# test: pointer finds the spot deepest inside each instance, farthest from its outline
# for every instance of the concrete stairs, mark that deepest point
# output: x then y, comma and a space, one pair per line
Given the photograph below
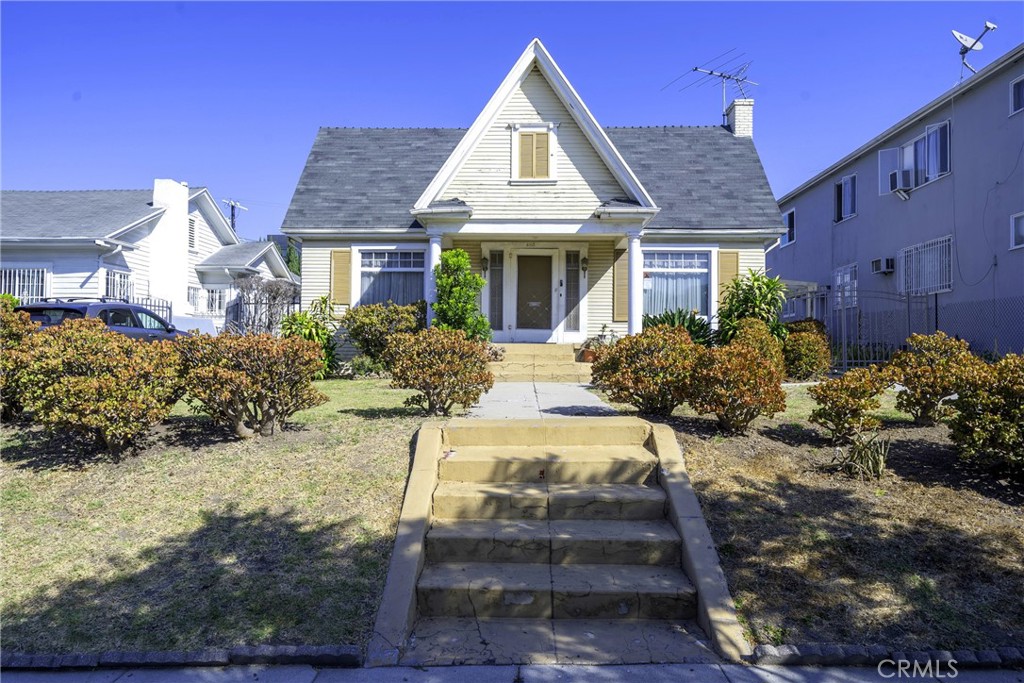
535, 547
540, 363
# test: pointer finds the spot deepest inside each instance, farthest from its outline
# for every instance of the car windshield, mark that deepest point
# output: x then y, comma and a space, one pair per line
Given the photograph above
53, 316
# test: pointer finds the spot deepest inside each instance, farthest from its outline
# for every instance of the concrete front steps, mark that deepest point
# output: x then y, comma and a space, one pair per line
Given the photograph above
552, 545
540, 363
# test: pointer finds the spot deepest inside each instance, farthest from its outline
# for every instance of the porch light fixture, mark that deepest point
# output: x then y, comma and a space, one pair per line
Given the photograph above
584, 264
484, 264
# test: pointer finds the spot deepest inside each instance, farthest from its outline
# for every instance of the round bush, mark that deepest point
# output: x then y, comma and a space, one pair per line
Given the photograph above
930, 371
989, 417
807, 355
844, 402
650, 370
755, 334
369, 326
735, 384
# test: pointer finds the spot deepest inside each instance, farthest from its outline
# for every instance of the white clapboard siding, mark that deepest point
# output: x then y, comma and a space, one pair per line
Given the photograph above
207, 244
599, 292
316, 269
137, 260
583, 180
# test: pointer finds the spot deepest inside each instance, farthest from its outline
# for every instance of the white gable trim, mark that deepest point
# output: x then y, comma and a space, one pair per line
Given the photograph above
214, 218
536, 54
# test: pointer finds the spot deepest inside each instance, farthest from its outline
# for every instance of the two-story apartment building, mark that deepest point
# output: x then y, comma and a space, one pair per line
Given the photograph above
170, 247
922, 227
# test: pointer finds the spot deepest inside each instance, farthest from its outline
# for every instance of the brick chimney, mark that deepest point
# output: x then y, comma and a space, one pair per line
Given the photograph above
740, 118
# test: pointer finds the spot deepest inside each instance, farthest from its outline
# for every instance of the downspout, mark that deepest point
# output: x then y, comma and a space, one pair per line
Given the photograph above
99, 259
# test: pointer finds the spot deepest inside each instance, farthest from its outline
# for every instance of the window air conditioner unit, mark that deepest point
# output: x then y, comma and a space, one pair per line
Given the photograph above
883, 266
899, 181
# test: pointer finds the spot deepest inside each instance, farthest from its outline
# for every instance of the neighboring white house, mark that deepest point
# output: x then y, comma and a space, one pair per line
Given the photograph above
575, 227
169, 247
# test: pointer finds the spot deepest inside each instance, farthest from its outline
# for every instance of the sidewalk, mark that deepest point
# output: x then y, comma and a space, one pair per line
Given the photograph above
531, 400
649, 673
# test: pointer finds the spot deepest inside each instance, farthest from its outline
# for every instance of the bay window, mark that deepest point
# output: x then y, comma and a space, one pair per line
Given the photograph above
675, 280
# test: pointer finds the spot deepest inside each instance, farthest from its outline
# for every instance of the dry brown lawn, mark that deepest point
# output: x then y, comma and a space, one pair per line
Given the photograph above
204, 540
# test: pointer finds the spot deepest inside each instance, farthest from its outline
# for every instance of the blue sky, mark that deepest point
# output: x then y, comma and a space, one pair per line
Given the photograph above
230, 95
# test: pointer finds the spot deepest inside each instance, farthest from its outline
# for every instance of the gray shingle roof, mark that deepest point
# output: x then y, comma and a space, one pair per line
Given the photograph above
236, 255
90, 214
700, 177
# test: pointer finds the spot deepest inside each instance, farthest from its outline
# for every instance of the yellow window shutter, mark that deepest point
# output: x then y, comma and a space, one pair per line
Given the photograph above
728, 270
620, 287
540, 155
341, 276
526, 168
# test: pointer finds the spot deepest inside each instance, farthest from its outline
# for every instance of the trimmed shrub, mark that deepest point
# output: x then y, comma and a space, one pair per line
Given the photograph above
735, 384
754, 296
15, 326
807, 325
930, 373
989, 417
316, 325
755, 334
82, 378
250, 383
650, 370
458, 289
807, 355
369, 326
844, 402
445, 366
9, 300
696, 325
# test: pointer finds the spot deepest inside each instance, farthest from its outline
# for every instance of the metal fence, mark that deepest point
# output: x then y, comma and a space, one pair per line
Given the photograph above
162, 307
869, 327
241, 317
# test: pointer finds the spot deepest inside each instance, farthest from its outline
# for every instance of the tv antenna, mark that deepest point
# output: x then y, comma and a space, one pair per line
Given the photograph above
737, 75
968, 45
234, 205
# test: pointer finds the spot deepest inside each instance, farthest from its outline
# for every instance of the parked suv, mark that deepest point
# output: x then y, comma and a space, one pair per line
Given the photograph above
128, 319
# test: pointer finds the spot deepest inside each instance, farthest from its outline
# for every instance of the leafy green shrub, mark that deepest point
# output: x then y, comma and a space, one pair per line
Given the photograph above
84, 379
9, 300
696, 325
844, 402
458, 289
250, 383
755, 334
989, 417
364, 366
369, 326
650, 370
807, 355
735, 384
15, 326
316, 325
807, 325
446, 367
754, 296
929, 372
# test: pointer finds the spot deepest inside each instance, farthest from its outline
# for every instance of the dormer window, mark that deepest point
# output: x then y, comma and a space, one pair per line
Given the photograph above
533, 153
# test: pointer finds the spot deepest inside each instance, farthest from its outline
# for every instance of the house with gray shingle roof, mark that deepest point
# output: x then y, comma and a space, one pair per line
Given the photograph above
575, 227
167, 246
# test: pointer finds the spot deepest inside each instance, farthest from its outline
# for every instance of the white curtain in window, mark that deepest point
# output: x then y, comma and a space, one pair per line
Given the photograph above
398, 287
674, 291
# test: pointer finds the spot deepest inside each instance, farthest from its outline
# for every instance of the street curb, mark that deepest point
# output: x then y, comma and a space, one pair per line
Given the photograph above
348, 656
830, 654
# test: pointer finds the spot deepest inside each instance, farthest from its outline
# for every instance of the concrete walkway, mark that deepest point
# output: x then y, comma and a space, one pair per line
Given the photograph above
650, 673
531, 400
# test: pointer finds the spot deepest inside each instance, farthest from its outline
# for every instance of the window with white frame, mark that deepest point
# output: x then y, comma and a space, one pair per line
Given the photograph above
789, 220
1017, 230
393, 275
845, 198
1017, 96
925, 268
916, 162
28, 284
844, 286
193, 297
216, 301
675, 280
119, 284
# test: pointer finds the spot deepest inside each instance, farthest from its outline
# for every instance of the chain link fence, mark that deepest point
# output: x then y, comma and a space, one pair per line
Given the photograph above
868, 327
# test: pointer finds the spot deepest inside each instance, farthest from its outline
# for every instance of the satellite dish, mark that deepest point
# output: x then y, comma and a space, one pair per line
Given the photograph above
968, 42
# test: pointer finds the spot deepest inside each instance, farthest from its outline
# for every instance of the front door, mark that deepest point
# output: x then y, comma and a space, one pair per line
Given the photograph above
535, 320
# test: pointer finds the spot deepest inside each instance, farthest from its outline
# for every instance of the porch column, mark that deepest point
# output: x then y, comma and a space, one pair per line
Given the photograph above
429, 286
636, 285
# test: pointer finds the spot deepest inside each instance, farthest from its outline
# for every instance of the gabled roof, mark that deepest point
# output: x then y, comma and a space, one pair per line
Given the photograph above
700, 177
72, 214
246, 255
536, 55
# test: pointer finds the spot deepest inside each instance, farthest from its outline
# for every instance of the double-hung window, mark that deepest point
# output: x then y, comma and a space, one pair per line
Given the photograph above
216, 301
27, 284
789, 220
845, 198
393, 275
916, 162
675, 280
844, 286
